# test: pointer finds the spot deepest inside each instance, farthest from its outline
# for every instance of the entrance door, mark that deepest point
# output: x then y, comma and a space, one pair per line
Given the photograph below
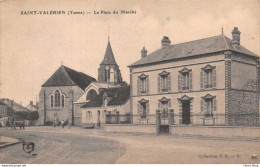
186, 112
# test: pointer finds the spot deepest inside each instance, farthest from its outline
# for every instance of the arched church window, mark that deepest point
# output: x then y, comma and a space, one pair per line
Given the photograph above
51, 101
112, 75
57, 98
62, 100
91, 94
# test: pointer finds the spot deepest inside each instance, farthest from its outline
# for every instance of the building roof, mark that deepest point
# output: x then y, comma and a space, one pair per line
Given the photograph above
109, 58
119, 97
13, 105
66, 76
192, 48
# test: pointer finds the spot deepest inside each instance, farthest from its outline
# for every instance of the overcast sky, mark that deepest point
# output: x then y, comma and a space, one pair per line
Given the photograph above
32, 47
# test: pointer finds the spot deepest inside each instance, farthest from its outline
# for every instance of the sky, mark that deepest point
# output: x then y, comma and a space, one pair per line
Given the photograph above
33, 47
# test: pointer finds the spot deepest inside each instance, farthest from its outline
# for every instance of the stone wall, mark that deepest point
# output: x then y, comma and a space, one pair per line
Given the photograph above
243, 108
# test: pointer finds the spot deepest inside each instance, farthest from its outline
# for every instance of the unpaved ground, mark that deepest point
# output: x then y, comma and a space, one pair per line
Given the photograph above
94, 146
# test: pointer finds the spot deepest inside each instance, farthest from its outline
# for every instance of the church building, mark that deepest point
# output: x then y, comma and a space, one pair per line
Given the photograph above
209, 81
58, 94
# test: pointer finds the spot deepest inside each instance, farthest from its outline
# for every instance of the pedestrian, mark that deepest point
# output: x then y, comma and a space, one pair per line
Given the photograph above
62, 123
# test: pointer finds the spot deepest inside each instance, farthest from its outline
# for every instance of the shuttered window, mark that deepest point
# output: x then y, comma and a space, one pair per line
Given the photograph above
143, 85
208, 77
185, 80
164, 83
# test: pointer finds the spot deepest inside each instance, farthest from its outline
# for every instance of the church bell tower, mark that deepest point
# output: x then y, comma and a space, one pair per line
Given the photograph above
108, 71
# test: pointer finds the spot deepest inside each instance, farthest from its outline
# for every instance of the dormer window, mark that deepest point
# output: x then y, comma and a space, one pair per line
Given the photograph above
143, 84
208, 77
185, 79
105, 102
164, 82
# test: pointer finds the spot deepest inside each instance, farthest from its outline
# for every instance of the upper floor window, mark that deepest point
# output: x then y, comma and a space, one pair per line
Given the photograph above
143, 108
57, 99
164, 82
51, 100
143, 84
185, 79
208, 105
208, 77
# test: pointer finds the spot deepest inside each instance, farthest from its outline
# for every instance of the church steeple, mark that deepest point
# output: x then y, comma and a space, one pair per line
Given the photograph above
108, 71
109, 58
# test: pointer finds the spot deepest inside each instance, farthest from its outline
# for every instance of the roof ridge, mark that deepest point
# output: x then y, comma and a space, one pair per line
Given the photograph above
196, 40
68, 74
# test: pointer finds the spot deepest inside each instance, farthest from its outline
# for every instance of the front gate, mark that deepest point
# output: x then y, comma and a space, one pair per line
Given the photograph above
164, 121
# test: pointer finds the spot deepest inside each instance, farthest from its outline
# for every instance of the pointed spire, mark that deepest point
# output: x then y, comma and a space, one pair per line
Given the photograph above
109, 58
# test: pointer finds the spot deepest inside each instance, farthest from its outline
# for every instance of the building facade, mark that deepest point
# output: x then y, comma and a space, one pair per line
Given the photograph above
58, 94
211, 81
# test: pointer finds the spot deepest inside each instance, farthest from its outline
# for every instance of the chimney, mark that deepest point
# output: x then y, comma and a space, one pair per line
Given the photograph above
166, 42
144, 52
31, 102
236, 37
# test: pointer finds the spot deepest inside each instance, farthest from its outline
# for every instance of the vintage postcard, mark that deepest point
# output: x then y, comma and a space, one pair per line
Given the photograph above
129, 82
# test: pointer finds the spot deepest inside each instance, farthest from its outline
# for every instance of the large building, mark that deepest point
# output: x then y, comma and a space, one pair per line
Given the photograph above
107, 97
58, 94
211, 81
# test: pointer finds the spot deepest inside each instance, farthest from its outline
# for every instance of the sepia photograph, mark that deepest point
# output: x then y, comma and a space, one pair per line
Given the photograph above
129, 82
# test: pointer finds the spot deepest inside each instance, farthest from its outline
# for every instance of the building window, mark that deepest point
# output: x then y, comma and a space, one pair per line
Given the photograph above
185, 79
57, 98
62, 100
163, 105
208, 77
164, 82
143, 84
51, 101
143, 108
107, 74
208, 105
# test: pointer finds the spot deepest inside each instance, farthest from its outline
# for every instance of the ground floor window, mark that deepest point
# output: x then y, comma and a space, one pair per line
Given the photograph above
143, 108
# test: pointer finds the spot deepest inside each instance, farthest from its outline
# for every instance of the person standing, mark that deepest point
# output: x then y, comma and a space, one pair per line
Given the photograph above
62, 123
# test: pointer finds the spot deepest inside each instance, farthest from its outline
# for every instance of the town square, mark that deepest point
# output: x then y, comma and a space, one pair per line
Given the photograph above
169, 82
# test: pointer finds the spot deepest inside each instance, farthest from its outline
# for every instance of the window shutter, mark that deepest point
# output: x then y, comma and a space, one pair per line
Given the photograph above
147, 107
159, 84
147, 85
215, 104
204, 78
214, 78
138, 106
201, 105
179, 82
138, 86
169, 82
190, 75
169, 104
201, 79
182, 82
